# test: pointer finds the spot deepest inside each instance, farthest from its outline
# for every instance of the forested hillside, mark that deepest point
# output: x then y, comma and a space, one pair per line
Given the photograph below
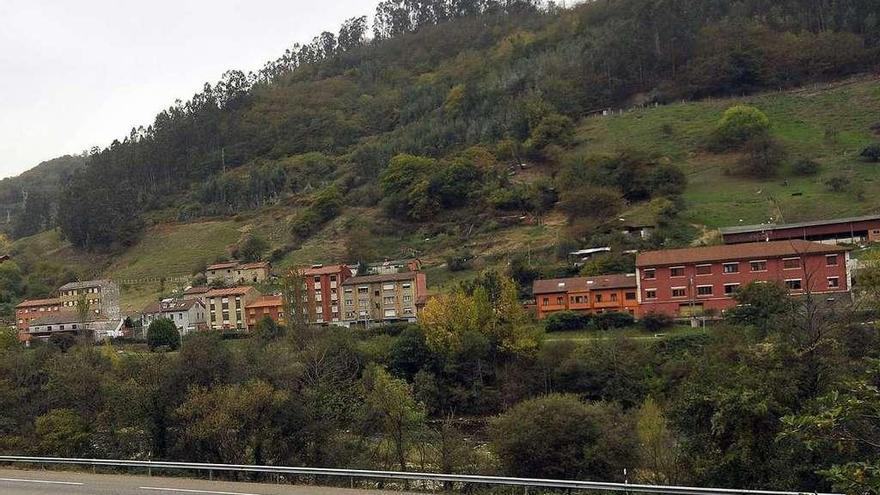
425, 115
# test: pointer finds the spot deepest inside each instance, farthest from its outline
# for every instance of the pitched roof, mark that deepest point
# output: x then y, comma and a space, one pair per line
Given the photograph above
266, 301
220, 266
171, 306
39, 302
323, 270
229, 291
751, 250
253, 266
744, 229
56, 318
387, 277
584, 283
197, 290
85, 284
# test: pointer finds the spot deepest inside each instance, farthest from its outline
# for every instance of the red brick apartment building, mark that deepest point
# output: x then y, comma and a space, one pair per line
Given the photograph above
27, 311
323, 286
605, 293
682, 282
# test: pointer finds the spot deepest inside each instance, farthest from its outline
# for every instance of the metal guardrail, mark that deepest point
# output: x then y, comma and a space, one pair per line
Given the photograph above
402, 475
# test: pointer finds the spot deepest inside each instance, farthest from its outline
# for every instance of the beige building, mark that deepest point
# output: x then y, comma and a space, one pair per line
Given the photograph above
383, 298
233, 273
226, 307
102, 296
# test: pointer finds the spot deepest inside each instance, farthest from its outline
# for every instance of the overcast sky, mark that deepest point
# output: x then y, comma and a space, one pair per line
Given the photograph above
77, 74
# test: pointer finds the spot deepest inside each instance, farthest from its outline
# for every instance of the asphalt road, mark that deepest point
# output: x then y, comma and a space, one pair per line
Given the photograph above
17, 482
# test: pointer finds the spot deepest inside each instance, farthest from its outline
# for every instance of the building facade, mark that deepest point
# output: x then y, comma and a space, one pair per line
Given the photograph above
385, 298
700, 280
271, 306
853, 230
102, 296
234, 273
69, 322
26, 311
188, 315
226, 307
322, 298
594, 295
388, 267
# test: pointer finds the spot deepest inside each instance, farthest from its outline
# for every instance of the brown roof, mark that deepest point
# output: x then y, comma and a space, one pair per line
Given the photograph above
323, 270
583, 283
230, 291
59, 317
751, 250
219, 266
39, 302
266, 301
255, 265
388, 277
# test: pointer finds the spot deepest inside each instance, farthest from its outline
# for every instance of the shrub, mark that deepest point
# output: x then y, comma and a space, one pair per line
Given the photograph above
589, 201
838, 183
763, 158
805, 167
459, 261
163, 332
558, 436
566, 321
251, 248
654, 322
608, 321
63, 341
738, 125
871, 153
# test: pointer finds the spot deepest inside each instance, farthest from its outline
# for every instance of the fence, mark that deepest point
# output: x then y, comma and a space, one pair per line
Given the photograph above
465, 479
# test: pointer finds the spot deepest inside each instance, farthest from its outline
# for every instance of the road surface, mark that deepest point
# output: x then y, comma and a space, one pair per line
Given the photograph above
19, 482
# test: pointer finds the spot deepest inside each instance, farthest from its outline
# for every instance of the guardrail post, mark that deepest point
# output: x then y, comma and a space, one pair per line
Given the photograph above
210, 475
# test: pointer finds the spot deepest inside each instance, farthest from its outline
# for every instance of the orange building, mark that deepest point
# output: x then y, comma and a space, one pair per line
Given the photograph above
271, 306
33, 309
602, 294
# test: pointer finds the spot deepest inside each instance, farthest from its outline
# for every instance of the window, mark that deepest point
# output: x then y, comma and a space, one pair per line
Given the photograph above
704, 290
598, 298
730, 289
833, 282
676, 271
650, 273
613, 297
731, 267
704, 269
679, 292
791, 263
630, 296
758, 266
793, 284
830, 260
546, 301
560, 300
333, 278
650, 293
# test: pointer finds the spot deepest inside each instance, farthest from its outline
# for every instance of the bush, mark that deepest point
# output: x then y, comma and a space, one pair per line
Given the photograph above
63, 341
608, 321
805, 167
654, 322
739, 125
871, 153
163, 332
250, 249
591, 202
459, 261
558, 436
763, 158
838, 183
566, 321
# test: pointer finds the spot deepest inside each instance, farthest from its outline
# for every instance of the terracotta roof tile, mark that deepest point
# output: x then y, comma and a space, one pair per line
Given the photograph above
724, 252
39, 302
323, 270
229, 291
266, 301
550, 286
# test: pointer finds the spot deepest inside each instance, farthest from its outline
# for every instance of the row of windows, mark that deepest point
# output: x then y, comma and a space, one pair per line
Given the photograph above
794, 284
831, 260
585, 299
